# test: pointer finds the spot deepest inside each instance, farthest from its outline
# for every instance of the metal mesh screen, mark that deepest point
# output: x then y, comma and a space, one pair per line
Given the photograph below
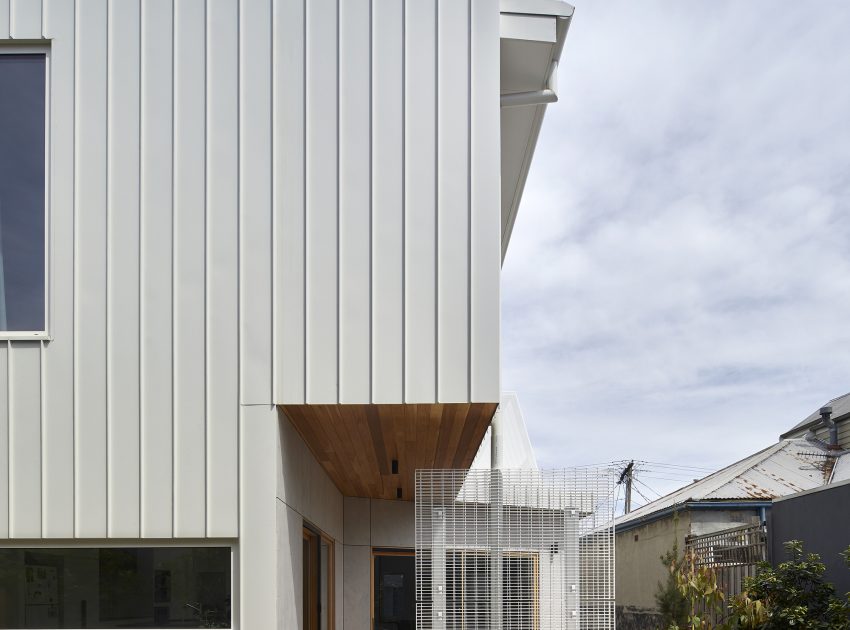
515, 549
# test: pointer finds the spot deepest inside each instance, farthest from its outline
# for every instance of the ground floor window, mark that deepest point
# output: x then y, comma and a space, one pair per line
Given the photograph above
318, 580
394, 590
115, 587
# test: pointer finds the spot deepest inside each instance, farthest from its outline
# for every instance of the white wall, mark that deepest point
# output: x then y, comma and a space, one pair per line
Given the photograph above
231, 225
394, 128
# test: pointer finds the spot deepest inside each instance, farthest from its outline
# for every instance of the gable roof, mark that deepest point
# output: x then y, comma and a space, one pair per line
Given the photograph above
784, 468
840, 410
518, 452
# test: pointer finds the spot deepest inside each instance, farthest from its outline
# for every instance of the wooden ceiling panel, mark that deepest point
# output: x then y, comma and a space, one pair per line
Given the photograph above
356, 444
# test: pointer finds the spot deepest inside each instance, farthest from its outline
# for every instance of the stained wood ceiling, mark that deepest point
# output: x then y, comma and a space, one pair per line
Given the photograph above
356, 444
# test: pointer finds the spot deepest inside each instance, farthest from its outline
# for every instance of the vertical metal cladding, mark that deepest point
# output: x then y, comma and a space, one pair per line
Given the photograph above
255, 202
110, 427
395, 124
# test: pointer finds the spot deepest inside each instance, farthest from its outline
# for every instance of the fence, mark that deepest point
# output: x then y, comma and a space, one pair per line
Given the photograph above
733, 554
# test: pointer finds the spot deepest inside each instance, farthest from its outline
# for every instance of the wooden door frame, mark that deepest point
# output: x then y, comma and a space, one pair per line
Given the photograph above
310, 532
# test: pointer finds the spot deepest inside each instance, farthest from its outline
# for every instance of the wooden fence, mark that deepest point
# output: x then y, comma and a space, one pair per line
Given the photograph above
733, 554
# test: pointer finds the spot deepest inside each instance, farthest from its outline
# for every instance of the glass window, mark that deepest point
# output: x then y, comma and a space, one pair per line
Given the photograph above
141, 587
22, 192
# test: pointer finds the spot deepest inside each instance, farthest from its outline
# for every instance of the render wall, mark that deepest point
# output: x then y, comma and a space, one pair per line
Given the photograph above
639, 567
250, 202
639, 551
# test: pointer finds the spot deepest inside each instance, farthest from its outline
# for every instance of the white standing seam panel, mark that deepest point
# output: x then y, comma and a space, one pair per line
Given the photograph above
25, 19
322, 201
156, 269
58, 355
453, 201
420, 201
222, 268
485, 232
189, 269
289, 186
25, 440
387, 201
354, 202
277, 211
4, 18
4, 439
123, 270
255, 187
90, 439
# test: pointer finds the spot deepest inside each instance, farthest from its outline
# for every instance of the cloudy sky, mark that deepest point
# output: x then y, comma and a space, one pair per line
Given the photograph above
677, 288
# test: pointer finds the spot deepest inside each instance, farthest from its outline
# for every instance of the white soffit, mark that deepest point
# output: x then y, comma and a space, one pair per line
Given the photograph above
532, 37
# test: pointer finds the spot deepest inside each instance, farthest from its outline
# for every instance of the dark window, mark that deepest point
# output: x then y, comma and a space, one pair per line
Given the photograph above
22, 192
143, 587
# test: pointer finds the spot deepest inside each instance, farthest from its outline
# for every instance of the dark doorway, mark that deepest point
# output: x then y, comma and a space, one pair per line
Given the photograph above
394, 590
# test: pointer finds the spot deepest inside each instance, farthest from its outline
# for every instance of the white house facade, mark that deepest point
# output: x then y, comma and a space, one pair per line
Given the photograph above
250, 256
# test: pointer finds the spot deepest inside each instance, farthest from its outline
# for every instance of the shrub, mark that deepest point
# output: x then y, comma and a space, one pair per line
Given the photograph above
794, 595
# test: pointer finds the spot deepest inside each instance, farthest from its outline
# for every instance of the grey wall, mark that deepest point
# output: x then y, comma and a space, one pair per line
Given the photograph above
369, 524
305, 495
255, 202
821, 519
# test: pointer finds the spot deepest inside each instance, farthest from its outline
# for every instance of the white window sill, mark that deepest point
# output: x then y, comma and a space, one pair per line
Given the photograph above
16, 335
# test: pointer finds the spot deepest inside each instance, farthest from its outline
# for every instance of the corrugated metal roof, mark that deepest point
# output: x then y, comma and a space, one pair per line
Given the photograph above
784, 468
841, 472
840, 407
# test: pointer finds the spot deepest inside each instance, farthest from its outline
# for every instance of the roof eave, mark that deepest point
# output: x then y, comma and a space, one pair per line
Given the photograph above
563, 13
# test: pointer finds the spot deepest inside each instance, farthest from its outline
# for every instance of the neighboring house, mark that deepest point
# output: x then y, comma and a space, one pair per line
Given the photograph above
250, 254
737, 495
834, 417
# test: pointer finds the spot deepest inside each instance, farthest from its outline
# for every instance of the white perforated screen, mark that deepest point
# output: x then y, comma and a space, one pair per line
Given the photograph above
515, 549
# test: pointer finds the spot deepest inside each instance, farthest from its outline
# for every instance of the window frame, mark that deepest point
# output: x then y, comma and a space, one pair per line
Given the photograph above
144, 543
17, 335
309, 530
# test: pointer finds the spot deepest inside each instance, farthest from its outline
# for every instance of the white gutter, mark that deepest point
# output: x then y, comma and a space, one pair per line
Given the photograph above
536, 97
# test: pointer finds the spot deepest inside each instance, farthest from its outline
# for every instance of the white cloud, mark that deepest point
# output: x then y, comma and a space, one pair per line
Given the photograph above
677, 287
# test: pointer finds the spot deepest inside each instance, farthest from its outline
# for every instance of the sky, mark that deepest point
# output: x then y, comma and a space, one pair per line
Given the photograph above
677, 286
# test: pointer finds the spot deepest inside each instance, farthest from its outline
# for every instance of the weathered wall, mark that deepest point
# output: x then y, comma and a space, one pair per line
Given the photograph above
250, 202
639, 568
821, 519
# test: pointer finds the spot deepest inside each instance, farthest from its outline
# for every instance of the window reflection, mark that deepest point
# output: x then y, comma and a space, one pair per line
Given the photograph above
146, 587
22, 192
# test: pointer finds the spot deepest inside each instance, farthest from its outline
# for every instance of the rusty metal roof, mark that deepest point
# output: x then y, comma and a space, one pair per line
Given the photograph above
784, 468
841, 472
